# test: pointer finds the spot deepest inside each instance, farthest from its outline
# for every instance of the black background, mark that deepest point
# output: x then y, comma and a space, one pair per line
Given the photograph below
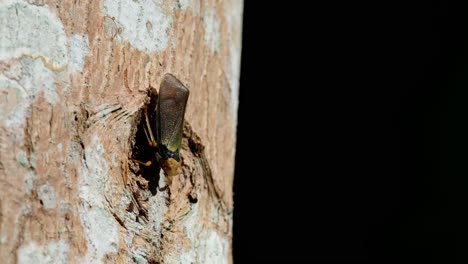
352, 143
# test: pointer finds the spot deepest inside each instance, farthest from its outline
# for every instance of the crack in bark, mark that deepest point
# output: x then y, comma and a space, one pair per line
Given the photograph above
117, 218
28, 143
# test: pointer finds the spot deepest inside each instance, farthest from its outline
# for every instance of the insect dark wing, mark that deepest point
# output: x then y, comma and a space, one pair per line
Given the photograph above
173, 96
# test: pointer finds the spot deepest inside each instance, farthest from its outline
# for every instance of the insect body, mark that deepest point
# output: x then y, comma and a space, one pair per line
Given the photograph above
170, 111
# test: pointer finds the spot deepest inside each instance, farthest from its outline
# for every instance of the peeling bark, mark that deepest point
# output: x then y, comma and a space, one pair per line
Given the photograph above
74, 77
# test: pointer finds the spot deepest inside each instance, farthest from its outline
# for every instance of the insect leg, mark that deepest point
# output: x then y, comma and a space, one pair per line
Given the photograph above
150, 143
149, 133
146, 164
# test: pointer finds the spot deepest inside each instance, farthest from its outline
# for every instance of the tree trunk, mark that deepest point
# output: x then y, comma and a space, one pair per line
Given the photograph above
74, 78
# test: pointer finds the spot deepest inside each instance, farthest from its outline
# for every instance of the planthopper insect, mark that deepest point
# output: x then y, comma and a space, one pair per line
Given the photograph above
170, 111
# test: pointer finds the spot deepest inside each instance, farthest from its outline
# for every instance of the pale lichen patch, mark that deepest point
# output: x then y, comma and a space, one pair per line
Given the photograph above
47, 196
13, 102
37, 79
29, 179
212, 35
181, 4
99, 225
233, 76
33, 31
54, 252
100, 232
3, 239
22, 159
191, 227
215, 247
79, 46
36, 2
134, 18
157, 207
65, 208
205, 245
233, 12
209, 248
13, 70
185, 5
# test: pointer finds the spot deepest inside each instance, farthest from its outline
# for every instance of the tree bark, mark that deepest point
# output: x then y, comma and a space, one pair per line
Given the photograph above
74, 78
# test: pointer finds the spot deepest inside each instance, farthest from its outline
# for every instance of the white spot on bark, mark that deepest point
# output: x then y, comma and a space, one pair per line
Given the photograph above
191, 227
35, 78
46, 194
187, 257
73, 152
215, 248
212, 35
33, 31
65, 208
210, 248
233, 11
78, 49
14, 70
99, 225
233, 75
134, 16
36, 2
58, 250
206, 245
100, 233
32, 160
54, 252
38, 79
29, 181
22, 159
158, 207
13, 102
185, 4
26, 210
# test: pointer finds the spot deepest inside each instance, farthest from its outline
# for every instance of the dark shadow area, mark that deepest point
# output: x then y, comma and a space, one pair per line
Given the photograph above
142, 151
351, 133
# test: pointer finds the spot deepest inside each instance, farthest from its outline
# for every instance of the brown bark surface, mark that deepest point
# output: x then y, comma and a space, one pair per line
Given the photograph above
74, 77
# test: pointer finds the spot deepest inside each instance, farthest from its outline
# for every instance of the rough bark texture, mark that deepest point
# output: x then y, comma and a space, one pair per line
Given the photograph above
74, 76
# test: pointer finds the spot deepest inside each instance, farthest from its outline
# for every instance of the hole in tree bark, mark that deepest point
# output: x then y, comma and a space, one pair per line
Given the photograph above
142, 151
